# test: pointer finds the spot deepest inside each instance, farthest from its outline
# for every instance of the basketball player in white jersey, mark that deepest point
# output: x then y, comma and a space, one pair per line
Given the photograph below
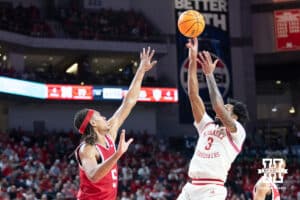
265, 188
220, 140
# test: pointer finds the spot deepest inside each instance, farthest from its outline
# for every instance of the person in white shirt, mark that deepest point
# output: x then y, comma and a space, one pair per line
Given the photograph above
220, 140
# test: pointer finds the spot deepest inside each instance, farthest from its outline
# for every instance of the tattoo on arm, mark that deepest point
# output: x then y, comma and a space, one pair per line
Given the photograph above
218, 103
214, 93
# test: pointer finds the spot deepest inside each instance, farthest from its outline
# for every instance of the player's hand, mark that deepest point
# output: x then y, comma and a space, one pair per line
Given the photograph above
146, 57
192, 45
123, 145
208, 67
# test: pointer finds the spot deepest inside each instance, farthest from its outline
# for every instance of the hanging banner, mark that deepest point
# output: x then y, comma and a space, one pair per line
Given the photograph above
214, 39
287, 29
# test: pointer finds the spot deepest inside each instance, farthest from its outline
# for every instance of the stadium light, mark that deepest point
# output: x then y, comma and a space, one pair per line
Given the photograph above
73, 69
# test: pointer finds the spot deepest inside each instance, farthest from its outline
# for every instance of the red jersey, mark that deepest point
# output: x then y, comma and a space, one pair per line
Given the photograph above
107, 187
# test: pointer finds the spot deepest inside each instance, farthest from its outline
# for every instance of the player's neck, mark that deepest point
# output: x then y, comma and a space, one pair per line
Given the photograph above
101, 140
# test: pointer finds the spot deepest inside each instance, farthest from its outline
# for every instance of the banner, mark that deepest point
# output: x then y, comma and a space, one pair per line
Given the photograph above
287, 29
214, 39
147, 94
69, 92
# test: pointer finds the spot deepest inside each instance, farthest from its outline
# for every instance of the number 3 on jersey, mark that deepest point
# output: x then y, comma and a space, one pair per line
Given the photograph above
210, 140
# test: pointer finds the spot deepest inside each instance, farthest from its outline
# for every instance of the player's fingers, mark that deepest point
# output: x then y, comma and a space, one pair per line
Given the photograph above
152, 54
148, 51
195, 41
153, 63
129, 141
144, 51
208, 57
216, 61
202, 57
122, 136
141, 55
188, 45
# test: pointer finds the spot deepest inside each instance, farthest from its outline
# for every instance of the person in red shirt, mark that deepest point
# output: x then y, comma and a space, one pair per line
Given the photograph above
96, 155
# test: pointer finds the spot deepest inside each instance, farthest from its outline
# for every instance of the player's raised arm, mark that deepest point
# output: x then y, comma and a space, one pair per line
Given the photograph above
131, 98
197, 104
216, 98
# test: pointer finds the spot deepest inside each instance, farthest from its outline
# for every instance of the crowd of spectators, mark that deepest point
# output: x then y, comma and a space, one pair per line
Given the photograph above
41, 166
50, 75
105, 24
78, 23
23, 20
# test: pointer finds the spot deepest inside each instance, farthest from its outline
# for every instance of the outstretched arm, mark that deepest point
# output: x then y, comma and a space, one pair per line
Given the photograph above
197, 104
214, 93
133, 93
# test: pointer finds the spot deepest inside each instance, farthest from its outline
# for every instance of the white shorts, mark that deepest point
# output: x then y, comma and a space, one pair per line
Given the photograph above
205, 192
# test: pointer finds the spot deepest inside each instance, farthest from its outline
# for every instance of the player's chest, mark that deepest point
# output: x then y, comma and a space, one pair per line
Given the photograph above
216, 133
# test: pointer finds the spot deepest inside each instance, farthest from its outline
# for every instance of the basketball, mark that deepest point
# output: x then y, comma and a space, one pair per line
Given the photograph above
191, 23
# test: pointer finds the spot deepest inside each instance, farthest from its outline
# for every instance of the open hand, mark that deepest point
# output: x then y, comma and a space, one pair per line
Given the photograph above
146, 57
123, 145
208, 67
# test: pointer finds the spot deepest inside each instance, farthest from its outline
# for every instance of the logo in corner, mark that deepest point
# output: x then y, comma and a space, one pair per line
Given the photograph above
273, 169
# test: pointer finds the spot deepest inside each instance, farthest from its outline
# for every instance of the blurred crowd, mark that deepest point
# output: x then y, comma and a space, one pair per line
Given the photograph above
77, 23
50, 75
42, 166
23, 20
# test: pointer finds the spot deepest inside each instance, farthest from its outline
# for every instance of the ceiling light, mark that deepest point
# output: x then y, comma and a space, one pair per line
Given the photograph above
72, 69
95, 60
50, 58
274, 109
4, 58
25, 57
135, 64
292, 110
120, 69
278, 82
82, 83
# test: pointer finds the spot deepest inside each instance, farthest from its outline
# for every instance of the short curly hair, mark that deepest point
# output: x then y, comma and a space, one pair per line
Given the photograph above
240, 110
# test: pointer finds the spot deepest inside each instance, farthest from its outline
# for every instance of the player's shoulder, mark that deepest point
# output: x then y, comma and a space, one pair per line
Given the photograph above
87, 150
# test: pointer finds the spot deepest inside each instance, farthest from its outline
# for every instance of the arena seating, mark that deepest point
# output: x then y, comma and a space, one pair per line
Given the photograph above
41, 165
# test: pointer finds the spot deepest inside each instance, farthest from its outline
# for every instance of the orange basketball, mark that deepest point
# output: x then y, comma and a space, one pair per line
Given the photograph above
191, 23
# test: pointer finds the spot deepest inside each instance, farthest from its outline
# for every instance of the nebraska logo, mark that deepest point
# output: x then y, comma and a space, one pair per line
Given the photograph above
273, 170
221, 74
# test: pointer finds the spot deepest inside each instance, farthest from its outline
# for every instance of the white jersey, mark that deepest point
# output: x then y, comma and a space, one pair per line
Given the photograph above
216, 149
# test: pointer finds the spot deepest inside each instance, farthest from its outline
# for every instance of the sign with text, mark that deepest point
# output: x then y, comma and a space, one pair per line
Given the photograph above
149, 94
214, 39
69, 92
287, 29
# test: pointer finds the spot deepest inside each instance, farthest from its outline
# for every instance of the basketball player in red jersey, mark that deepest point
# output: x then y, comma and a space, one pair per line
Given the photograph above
220, 140
265, 188
96, 155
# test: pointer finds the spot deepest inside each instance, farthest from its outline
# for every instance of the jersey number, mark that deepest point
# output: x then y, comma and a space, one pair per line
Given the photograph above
210, 140
114, 174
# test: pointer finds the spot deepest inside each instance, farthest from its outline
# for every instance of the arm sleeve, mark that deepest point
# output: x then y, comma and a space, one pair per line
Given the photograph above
204, 122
